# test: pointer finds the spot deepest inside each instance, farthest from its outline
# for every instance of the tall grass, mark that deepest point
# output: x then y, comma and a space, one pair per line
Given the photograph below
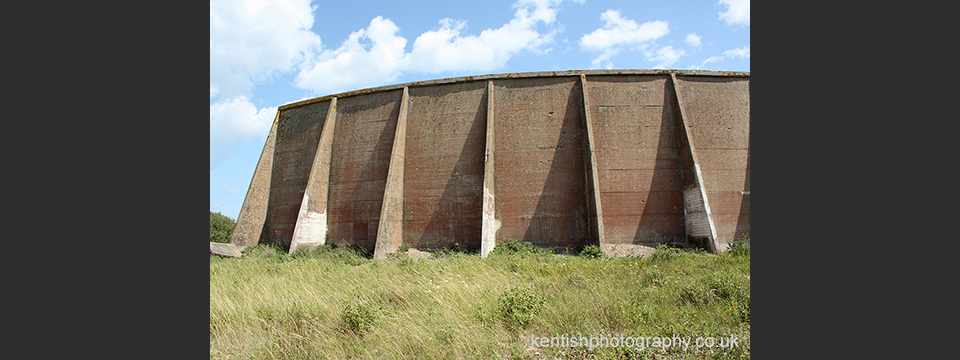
333, 303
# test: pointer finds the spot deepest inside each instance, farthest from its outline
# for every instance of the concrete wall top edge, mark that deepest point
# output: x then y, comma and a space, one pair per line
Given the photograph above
534, 74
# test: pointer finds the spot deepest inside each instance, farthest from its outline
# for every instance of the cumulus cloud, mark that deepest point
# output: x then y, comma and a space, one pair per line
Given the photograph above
236, 120
738, 12
603, 61
376, 54
252, 40
618, 33
369, 56
692, 40
666, 56
445, 49
741, 52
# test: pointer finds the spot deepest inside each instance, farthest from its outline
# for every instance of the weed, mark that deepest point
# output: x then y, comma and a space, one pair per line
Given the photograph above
519, 306
514, 247
591, 252
268, 252
322, 305
454, 250
739, 248
349, 255
359, 318
665, 253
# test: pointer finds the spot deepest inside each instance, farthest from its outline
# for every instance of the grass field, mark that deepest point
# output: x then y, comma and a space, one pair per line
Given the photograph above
333, 303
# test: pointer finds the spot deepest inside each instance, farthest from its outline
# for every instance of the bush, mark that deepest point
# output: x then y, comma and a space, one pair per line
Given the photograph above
352, 254
456, 249
739, 248
511, 246
664, 253
591, 251
519, 306
221, 227
359, 318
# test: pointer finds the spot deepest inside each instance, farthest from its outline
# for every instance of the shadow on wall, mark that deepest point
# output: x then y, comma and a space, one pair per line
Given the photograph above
662, 217
560, 219
743, 221
362, 211
457, 217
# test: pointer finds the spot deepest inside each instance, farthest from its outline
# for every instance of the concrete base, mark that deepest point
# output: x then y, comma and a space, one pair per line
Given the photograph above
226, 250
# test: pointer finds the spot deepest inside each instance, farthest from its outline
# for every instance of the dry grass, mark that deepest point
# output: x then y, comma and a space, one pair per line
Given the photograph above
335, 304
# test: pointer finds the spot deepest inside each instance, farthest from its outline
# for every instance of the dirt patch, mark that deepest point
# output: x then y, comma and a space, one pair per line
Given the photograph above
417, 254
621, 250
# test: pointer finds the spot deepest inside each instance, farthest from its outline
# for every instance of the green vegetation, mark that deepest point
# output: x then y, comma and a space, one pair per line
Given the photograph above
221, 227
591, 251
336, 303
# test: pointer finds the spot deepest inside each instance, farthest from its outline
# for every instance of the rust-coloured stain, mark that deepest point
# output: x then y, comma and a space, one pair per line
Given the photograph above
580, 157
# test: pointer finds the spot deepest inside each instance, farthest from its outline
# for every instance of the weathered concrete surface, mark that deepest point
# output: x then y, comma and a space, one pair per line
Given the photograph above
540, 190
444, 164
390, 229
558, 159
310, 230
490, 225
253, 212
298, 132
637, 158
590, 149
698, 218
359, 165
718, 113
225, 250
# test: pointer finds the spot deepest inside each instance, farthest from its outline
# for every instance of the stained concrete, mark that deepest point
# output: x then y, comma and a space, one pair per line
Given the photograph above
623, 159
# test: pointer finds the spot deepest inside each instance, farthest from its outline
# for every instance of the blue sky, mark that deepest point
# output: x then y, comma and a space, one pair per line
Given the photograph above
264, 54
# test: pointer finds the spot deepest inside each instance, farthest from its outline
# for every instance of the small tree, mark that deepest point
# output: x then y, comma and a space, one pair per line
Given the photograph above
221, 227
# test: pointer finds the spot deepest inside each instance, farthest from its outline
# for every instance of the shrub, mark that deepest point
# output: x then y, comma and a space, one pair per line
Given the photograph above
352, 254
359, 318
519, 306
664, 252
221, 227
269, 252
739, 248
591, 251
511, 246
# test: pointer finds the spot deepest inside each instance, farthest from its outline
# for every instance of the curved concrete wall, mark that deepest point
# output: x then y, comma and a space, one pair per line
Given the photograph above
557, 159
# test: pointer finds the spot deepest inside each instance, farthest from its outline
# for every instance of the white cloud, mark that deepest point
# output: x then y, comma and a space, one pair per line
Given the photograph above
666, 56
445, 49
370, 56
376, 55
738, 12
742, 52
233, 121
692, 40
603, 61
618, 31
253, 40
